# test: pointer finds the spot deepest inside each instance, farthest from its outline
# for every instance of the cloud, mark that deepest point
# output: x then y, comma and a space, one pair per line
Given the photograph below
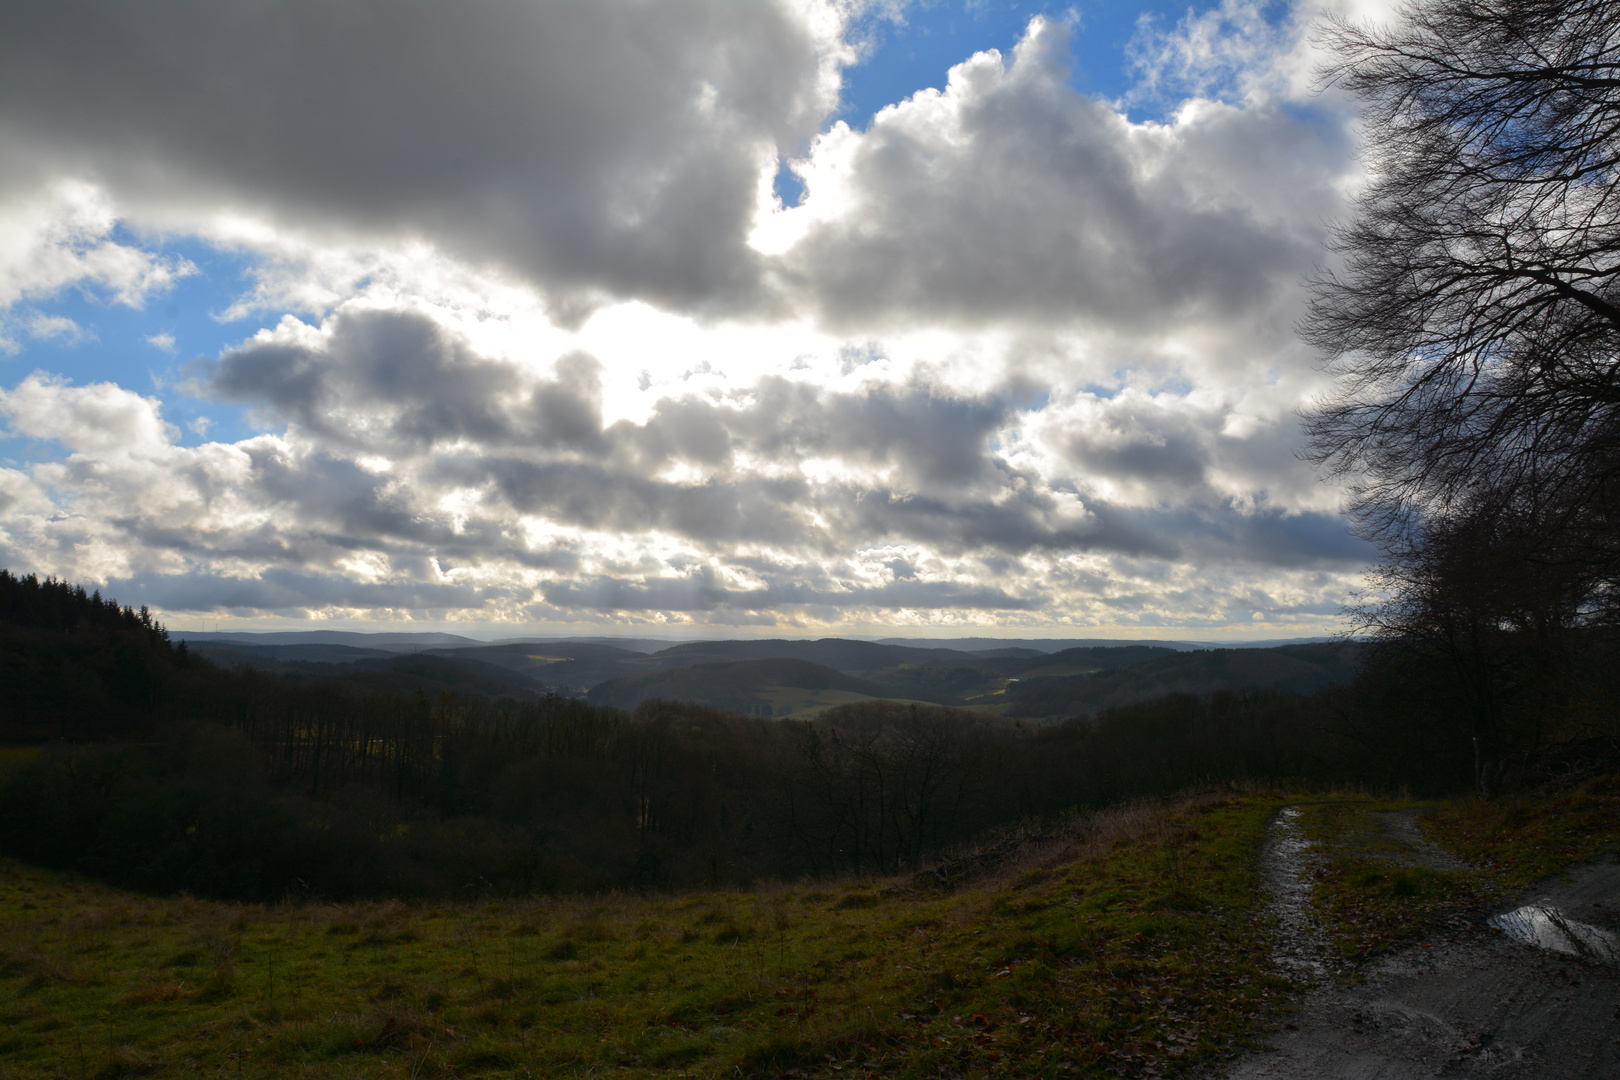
1249, 51
57, 328
538, 348
58, 236
426, 475
103, 418
376, 379
598, 147
1008, 197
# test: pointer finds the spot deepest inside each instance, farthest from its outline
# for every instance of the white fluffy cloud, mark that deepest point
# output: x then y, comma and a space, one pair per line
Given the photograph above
57, 236
558, 357
1009, 198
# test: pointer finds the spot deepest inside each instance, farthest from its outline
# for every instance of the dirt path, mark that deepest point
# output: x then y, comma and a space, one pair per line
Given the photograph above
1302, 948
1472, 1003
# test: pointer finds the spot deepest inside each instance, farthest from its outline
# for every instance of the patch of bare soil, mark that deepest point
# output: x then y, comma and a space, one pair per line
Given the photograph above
1479, 1001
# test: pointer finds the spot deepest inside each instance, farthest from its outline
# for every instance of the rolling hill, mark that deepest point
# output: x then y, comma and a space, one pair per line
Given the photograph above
408, 672
769, 687
783, 676
1300, 669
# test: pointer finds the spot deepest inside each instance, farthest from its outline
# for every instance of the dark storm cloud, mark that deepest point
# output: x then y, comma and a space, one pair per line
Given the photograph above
391, 381
1141, 441
1218, 532
717, 512
1287, 540
929, 437
382, 379
592, 145
935, 439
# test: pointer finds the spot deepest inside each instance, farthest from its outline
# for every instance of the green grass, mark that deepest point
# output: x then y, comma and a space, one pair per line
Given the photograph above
12, 757
1368, 895
1532, 835
1132, 944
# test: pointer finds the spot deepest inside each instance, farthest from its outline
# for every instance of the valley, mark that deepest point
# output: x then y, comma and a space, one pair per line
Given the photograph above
801, 678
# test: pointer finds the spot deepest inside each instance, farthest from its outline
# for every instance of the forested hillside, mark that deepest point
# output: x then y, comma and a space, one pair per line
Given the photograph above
771, 687
425, 774
1297, 669
74, 665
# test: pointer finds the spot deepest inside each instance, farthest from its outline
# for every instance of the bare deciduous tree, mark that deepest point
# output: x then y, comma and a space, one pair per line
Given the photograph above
1474, 333
1474, 328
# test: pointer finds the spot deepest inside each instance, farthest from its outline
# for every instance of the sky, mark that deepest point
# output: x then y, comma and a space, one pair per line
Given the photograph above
692, 318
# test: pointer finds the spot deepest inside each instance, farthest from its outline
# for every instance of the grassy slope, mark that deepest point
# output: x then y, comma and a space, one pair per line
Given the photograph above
1134, 942
1525, 837
13, 756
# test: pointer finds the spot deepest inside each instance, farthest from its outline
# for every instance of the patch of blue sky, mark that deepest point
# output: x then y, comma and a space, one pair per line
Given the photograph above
789, 188
917, 50
145, 349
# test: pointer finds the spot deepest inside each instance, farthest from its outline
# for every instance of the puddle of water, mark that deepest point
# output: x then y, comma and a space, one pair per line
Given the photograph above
1546, 927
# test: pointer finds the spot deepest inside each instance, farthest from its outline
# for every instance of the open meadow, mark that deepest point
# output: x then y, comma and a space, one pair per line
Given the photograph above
1135, 941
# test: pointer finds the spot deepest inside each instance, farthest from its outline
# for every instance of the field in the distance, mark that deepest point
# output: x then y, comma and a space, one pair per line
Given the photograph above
790, 702
1131, 942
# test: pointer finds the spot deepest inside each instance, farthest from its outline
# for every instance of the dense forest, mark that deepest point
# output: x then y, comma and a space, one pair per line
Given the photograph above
164, 771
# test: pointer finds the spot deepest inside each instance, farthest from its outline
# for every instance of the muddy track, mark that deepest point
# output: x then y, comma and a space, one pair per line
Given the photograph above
1301, 949
1478, 1001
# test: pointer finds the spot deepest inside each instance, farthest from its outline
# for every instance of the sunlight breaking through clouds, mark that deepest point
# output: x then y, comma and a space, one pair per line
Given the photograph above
1015, 360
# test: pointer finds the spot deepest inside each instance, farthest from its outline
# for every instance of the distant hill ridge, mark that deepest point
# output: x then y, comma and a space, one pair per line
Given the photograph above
396, 641
754, 675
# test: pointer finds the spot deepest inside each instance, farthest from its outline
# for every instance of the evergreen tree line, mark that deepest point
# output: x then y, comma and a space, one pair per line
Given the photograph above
72, 663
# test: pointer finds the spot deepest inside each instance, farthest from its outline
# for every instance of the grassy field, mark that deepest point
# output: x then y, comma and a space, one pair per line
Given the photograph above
1131, 942
797, 703
13, 756
1524, 837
